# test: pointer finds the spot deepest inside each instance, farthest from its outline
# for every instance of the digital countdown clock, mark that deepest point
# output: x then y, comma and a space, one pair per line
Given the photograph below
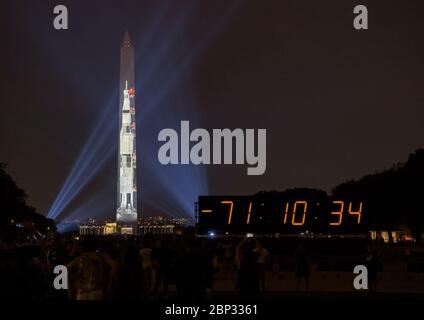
279, 214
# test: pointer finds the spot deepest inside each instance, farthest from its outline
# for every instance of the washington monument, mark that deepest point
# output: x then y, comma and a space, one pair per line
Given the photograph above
126, 213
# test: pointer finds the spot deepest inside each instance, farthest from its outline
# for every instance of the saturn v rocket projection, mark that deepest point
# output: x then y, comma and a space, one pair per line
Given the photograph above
126, 212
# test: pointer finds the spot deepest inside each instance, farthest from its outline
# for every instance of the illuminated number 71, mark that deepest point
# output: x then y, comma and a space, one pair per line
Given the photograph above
230, 214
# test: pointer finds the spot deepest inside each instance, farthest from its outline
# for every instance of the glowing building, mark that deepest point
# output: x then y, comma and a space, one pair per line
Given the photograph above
110, 228
126, 213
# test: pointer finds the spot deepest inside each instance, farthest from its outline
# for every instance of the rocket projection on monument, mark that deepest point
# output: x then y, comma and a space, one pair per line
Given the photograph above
126, 212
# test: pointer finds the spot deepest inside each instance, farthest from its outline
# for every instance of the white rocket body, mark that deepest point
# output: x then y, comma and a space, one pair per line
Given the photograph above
126, 213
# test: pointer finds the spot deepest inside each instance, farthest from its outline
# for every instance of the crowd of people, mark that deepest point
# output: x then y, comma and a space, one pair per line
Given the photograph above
142, 268
133, 269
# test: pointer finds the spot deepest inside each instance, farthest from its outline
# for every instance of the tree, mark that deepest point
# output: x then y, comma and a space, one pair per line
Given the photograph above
392, 197
14, 208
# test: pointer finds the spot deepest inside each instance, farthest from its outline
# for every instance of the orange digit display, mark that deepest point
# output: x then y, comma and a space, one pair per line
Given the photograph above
338, 213
230, 214
249, 212
286, 213
293, 214
358, 213
305, 206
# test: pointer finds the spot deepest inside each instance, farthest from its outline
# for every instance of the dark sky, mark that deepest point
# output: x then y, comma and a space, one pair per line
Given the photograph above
337, 103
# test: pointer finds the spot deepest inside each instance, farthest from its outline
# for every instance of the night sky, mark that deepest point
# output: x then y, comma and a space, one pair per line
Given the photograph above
337, 103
